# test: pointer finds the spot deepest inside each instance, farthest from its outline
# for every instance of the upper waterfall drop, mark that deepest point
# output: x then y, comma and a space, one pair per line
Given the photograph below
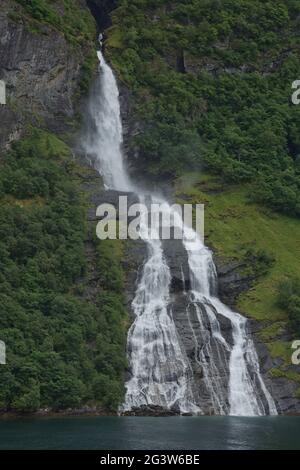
104, 141
161, 372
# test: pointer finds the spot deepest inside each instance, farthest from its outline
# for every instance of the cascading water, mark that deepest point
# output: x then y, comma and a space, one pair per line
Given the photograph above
161, 372
105, 136
244, 375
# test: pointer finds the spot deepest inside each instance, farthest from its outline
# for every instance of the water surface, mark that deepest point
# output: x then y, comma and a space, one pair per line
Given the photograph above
147, 433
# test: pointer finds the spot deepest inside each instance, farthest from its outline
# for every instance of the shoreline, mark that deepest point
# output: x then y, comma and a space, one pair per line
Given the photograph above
93, 413
56, 414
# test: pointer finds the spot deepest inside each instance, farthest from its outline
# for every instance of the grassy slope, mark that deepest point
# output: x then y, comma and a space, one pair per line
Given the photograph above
232, 224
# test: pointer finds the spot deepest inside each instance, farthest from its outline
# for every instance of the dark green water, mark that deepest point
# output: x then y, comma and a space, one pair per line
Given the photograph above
127, 433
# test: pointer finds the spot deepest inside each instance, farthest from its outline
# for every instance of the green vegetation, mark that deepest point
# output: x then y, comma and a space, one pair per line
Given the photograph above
87, 73
63, 349
68, 16
289, 299
212, 85
234, 225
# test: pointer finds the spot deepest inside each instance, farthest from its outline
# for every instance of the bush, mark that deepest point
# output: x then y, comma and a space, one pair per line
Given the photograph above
75, 23
289, 300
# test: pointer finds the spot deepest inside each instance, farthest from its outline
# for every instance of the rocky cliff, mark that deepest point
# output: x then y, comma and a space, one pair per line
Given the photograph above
101, 10
42, 70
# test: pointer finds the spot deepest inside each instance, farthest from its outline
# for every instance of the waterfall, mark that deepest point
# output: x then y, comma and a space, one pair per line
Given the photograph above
161, 372
104, 137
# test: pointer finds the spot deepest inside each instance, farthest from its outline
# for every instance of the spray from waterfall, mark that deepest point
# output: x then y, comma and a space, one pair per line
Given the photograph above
160, 371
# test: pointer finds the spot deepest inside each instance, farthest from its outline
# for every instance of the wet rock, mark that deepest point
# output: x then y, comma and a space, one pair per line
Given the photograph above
177, 261
136, 254
283, 391
101, 9
231, 280
151, 410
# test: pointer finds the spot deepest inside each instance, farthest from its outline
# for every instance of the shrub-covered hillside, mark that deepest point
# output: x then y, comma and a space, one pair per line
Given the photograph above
62, 314
67, 16
63, 350
212, 85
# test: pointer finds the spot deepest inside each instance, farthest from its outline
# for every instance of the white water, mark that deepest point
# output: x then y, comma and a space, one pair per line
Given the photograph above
104, 140
161, 374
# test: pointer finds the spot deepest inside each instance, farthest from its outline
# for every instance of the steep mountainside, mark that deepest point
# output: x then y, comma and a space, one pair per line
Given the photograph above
210, 90
43, 82
212, 87
62, 304
205, 96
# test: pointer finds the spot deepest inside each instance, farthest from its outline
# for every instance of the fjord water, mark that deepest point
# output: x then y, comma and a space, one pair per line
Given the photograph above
160, 371
146, 433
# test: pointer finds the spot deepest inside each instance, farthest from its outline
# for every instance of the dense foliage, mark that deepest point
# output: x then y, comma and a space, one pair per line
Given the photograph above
62, 349
289, 299
68, 16
212, 86
211, 82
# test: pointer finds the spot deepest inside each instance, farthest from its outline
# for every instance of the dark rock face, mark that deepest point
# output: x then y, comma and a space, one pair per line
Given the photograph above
100, 10
282, 390
151, 410
231, 283
177, 261
131, 128
135, 252
42, 73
